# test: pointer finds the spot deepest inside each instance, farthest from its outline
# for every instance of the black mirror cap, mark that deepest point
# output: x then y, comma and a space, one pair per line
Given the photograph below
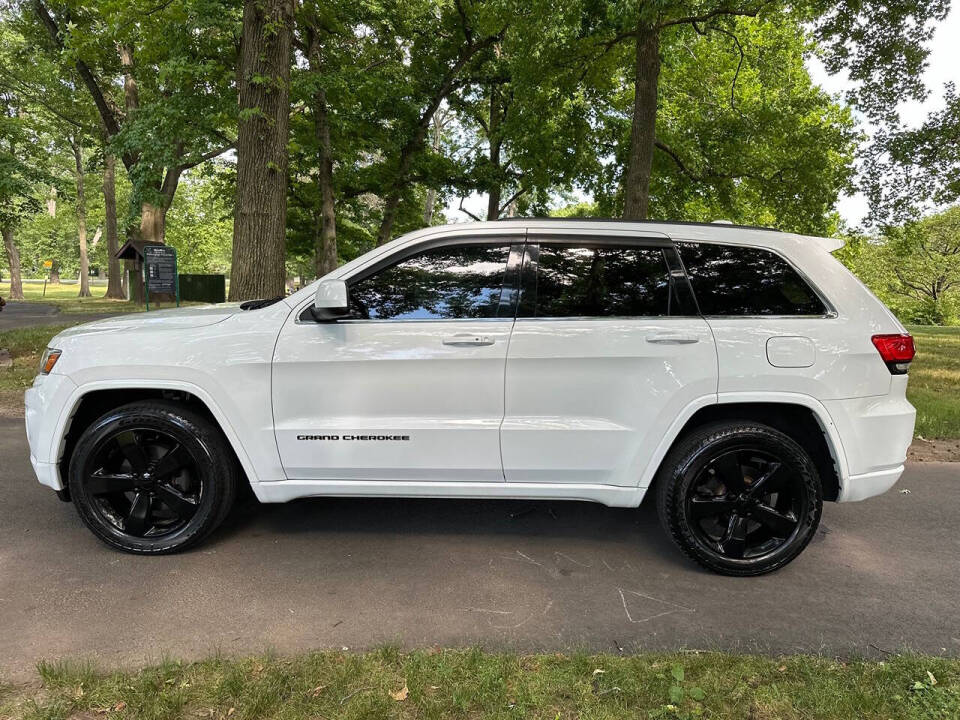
328, 314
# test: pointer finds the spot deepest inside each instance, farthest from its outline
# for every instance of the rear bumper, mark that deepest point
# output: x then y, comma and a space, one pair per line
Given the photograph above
861, 487
876, 433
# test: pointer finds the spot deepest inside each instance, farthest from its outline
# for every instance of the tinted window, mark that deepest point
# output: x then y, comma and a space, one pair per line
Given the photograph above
462, 281
729, 280
602, 281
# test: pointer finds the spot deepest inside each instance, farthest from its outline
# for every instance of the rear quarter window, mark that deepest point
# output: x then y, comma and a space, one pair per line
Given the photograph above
734, 280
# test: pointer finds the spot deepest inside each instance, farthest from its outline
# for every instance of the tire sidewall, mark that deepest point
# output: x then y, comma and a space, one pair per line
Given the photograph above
190, 432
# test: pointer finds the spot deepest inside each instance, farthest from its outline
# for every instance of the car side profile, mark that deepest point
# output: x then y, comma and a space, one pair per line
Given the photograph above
741, 375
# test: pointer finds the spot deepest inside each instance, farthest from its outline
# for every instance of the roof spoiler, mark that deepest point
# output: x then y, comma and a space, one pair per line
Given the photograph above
824, 243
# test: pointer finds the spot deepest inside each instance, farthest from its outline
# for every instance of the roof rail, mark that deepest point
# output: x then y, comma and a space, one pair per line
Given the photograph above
715, 223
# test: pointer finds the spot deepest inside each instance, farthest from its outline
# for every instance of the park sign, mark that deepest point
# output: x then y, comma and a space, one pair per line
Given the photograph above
160, 272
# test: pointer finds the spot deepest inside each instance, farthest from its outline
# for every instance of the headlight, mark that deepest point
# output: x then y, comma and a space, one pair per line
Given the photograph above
49, 360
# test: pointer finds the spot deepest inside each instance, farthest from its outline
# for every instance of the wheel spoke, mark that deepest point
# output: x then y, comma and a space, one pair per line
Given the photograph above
179, 504
138, 519
173, 460
730, 471
780, 524
701, 507
101, 484
734, 540
129, 444
769, 481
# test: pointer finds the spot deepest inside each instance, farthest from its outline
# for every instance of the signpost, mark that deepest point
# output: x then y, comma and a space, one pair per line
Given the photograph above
160, 272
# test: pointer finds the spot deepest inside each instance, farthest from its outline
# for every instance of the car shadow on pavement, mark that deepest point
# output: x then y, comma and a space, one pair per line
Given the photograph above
401, 517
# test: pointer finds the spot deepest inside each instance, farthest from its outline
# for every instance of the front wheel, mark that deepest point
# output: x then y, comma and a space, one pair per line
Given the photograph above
739, 498
152, 477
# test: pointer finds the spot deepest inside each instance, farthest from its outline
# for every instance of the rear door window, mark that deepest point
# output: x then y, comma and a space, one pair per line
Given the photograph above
735, 280
602, 280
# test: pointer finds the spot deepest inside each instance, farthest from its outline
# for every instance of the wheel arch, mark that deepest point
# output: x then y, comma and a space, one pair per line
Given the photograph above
91, 401
801, 417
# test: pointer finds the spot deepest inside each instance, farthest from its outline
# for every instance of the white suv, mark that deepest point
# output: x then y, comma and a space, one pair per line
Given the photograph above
743, 373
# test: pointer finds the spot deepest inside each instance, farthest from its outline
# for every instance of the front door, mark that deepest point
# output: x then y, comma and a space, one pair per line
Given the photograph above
411, 386
607, 350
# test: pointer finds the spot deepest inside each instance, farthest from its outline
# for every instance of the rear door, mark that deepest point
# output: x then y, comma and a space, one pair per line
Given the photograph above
607, 350
411, 386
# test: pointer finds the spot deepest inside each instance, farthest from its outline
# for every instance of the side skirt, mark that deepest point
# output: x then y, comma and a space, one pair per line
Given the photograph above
610, 495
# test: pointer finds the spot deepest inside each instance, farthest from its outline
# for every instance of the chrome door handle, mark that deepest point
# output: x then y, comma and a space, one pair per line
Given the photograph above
672, 339
467, 339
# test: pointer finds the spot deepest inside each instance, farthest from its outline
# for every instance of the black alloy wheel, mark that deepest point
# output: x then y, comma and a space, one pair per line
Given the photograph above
152, 477
144, 483
740, 499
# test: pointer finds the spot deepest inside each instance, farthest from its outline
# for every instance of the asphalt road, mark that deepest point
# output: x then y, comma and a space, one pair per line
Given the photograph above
24, 314
882, 576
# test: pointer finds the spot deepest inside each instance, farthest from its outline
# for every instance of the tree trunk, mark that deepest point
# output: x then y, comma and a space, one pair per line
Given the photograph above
496, 186
636, 190
326, 239
81, 220
153, 223
260, 214
431, 199
55, 273
114, 269
13, 262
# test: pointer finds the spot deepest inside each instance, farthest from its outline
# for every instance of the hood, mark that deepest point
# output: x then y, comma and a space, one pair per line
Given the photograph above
173, 319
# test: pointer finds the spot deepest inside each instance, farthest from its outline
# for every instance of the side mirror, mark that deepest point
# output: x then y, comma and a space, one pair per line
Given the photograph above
330, 302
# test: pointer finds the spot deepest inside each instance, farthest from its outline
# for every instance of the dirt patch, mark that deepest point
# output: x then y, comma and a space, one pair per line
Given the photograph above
923, 450
11, 403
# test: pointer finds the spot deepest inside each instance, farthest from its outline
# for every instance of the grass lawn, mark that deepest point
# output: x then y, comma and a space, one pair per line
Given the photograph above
472, 684
934, 386
65, 297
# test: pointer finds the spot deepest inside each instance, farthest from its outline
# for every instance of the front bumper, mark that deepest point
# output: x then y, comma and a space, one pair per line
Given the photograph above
46, 404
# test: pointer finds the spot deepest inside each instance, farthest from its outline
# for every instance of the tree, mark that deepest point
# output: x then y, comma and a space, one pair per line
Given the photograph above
21, 174
81, 217
440, 62
742, 132
114, 279
909, 171
174, 107
927, 262
881, 45
259, 235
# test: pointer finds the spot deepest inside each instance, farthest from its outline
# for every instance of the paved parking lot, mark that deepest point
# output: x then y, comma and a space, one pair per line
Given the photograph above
881, 576
27, 314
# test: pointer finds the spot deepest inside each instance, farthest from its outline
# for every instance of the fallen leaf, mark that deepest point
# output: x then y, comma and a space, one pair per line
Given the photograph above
317, 690
401, 694
782, 668
598, 671
231, 711
120, 706
933, 680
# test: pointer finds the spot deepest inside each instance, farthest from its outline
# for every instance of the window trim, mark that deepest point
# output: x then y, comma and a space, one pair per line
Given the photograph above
830, 310
531, 265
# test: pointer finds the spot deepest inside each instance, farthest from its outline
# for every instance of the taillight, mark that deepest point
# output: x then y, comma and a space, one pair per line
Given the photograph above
896, 350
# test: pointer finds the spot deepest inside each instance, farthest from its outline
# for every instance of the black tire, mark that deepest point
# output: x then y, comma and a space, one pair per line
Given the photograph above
152, 477
739, 497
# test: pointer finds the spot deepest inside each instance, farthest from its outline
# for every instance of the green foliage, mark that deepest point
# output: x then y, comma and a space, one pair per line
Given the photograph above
743, 133
200, 221
914, 268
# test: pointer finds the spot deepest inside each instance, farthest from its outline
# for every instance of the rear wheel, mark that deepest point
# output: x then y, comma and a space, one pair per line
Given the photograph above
152, 478
739, 498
